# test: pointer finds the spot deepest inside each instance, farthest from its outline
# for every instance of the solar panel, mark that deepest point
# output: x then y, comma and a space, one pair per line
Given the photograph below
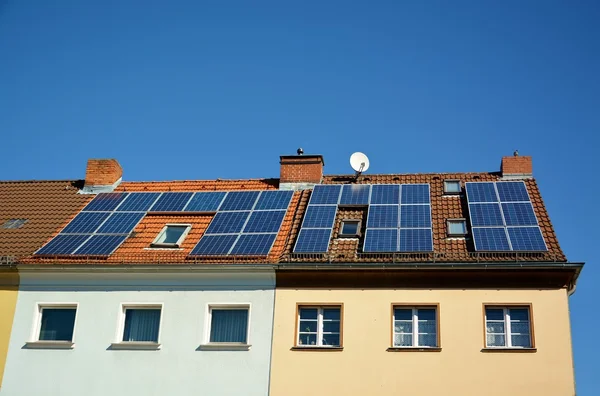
270, 200
415, 216
512, 191
382, 216
490, 239
381, 240
355, 194
100, 245
171, 202
265, 221
319, 216
481, 192
325, 194
85, 223
519, 214
416, 240
138, 202
121, 223
239, 200
415, 194
526, 239
210, 245
62, 244
388, 194
105, 202
254, 244
205, 201
485, 214
227, 223
313, 240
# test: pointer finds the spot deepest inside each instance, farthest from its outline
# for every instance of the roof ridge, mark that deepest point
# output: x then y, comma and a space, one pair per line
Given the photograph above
41, 181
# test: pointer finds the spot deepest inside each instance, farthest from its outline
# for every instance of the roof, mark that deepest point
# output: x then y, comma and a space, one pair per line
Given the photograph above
44, 205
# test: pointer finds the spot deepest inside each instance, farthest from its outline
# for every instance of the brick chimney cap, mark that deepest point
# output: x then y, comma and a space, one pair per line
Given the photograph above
304, 159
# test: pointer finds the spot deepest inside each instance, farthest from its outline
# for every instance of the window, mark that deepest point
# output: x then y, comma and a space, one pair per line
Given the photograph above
229, 325
350, 228
415, 327
452, 187
456, 227
54, 326
319, 326
508, 327
171, 236
139, 327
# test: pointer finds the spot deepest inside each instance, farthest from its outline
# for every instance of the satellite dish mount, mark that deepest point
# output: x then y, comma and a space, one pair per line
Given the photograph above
359, 162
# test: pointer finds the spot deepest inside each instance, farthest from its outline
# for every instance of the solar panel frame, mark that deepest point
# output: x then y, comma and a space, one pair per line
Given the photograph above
228, 222
385, 194
313, 240
491, 239
171, 202
355, 194
264, 221
527, 239
205, 201
481, 192
415, 216
415, 194
254, 244
512, 191
138, 202
105, 202
519, 214
382, 240
485, 215
325, 194
319, 216
85, 223
100, 245
214, 245
415, 240
239, 201
383, 216
62, 244
274, 200
120, 223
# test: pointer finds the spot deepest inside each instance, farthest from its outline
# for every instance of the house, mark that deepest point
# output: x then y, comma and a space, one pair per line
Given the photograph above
307, 284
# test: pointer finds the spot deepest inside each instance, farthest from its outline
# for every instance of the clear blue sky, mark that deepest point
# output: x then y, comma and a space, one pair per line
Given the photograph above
200, 90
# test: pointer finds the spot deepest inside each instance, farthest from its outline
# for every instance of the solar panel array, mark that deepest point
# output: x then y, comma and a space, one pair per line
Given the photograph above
502, 217
399, 217
104, 224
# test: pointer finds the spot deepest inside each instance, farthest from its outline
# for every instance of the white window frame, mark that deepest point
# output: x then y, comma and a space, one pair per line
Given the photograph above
415, 326
176, 245
225, 346
320, 309
447, 181
150, 345
455, 235
507, 327
34, 337
358, 227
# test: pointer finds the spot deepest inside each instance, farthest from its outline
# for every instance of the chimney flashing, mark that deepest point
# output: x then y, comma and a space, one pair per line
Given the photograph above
102, 175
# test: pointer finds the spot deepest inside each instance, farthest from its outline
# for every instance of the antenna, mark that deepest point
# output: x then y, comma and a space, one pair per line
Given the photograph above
359, 162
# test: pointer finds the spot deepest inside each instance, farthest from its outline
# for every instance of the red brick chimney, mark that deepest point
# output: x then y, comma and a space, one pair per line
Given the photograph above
301, 168
516, 167
102, 172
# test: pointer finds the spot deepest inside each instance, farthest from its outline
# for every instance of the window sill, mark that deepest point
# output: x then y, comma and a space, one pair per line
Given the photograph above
414, 349
224, 346
49, 345
132, 345
317, 348
510, 350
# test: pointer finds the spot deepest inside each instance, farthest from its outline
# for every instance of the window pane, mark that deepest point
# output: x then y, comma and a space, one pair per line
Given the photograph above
452, 186
495, 340
309, 313
350, 228
331, 327
57, 324
494, 314
141, 325
403, 326
331, 313
519, 314
402, 339
228, 325
519, 327
308, 326
427, 340
172, 234
331, 339
495, 327
307, 339
402, 314
427, 326
426, 314
457, 227
521, 341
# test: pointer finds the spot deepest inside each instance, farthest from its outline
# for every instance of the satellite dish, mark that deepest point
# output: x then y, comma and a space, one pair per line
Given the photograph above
359, 162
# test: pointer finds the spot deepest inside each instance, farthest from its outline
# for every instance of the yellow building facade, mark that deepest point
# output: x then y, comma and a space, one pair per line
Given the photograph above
9, 289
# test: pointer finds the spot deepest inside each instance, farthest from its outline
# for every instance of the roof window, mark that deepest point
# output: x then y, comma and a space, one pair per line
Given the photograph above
456, 227
452, 187
350, 228
171, 236
14, 223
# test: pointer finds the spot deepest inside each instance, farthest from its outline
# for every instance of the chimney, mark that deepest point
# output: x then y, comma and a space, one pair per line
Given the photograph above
102, 175
516, 167
300, 171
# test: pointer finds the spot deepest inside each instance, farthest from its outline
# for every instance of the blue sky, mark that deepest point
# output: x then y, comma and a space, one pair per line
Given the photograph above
201, 90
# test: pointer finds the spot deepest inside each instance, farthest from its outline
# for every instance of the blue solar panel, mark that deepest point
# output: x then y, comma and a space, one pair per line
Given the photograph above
265, 221
270, 200
383, 216
138, 202
62, 244
121, 223
415, 240
381, 240
227, 223
481, 192
171, 202
355, 194
85, 223
100, 245
239, 200
519, 214
105, 202
526, 239
512, 191
319, 216
415, 216
385, 194
254, 244
490, 239
325, 194
415, 193
313, 240
211, 245
485, 214
205, 202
